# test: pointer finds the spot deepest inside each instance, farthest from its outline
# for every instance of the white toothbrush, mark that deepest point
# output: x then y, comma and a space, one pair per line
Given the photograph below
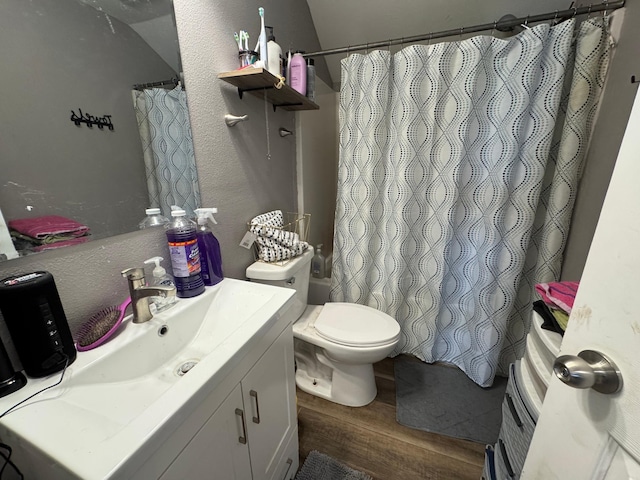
263, 39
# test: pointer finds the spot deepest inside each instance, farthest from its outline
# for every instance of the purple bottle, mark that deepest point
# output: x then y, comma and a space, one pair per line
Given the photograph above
210, 255
185, 256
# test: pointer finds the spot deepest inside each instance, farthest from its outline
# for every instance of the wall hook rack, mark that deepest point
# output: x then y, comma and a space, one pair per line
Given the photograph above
231, 120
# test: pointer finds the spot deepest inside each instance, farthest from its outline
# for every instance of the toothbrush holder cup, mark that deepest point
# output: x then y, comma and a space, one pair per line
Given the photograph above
247, 57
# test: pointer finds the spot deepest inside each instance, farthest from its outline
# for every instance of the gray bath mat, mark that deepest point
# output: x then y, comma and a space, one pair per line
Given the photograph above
442, 399
319, 466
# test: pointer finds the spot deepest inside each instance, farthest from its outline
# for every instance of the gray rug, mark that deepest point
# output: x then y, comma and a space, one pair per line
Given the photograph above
444, 400
319, 466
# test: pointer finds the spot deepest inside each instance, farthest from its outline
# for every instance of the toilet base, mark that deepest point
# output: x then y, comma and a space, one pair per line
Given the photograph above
350, 385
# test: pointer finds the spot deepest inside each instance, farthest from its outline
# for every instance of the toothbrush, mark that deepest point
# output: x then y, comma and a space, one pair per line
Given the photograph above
246, 40
263, 39
238, 41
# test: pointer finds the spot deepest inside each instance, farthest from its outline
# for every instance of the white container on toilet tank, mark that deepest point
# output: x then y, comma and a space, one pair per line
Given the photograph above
335, 344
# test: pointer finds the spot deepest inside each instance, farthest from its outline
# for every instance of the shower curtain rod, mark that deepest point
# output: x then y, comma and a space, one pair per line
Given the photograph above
497, 25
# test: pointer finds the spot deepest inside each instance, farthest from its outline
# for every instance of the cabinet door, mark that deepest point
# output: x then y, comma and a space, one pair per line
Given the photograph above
268, 391
217, 450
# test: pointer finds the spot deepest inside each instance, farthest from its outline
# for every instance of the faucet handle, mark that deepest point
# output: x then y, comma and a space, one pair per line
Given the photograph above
133, 273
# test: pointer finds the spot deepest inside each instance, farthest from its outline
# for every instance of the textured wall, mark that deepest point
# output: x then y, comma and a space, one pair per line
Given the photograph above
235, 174
609, 129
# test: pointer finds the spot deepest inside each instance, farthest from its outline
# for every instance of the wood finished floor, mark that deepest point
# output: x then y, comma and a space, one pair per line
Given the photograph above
370, 440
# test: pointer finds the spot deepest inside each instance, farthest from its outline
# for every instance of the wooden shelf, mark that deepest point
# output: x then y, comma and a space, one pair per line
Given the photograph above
256, 80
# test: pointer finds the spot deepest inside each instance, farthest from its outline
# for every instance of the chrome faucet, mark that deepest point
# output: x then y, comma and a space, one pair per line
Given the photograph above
140, 294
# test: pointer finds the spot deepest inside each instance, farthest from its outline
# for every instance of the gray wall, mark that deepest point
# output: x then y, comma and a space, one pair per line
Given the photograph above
58, 57
317, 151
605, 143
235, 174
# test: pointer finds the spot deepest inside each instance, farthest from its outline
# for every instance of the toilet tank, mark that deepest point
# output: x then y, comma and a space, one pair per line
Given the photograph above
293, 274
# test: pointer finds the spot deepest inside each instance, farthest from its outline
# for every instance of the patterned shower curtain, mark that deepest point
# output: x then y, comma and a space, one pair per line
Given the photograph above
165, 132
452, 202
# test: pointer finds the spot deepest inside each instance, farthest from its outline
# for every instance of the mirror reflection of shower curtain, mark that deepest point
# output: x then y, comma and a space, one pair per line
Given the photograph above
165, 132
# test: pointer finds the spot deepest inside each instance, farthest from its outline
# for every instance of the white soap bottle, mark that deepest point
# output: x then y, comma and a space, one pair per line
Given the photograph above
317, 263
163, 279
275, 54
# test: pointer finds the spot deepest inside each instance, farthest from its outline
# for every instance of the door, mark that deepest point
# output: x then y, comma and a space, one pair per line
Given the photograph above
268, 391
219, 450
581, 433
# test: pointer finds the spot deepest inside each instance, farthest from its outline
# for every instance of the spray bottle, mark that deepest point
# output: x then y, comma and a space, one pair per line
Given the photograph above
161, 278
210, 255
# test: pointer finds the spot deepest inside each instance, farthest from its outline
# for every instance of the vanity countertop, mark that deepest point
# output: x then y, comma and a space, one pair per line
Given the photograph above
103, 422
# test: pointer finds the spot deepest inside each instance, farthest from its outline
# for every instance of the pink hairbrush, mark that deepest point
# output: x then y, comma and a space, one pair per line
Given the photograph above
100, 327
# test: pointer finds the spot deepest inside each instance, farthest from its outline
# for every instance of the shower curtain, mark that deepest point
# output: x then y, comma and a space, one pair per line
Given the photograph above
457, 175
165, 132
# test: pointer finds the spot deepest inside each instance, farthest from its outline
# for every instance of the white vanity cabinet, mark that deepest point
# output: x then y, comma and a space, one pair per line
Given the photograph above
252, 433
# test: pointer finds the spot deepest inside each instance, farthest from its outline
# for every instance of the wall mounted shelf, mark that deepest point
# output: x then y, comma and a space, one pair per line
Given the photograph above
257, 80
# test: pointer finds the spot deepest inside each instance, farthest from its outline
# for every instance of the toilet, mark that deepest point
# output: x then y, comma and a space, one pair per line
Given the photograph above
336, 344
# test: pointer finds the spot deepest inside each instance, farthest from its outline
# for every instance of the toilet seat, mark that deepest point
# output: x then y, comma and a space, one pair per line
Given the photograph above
356, 325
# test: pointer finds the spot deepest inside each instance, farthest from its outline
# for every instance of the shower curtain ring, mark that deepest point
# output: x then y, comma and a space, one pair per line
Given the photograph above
589, 11
493, 30
555, 18
389, 46
575, 12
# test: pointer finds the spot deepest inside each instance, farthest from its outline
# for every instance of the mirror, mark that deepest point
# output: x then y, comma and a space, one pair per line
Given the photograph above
70, 140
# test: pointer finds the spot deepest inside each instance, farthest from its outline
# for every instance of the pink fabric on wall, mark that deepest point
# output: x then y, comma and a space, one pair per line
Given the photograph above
42, 227
560, 295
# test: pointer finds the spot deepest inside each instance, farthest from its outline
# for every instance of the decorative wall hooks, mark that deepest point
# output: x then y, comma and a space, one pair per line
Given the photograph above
90, 120
231, 120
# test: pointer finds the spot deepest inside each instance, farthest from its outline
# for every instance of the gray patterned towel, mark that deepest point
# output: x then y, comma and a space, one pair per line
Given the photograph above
274, 242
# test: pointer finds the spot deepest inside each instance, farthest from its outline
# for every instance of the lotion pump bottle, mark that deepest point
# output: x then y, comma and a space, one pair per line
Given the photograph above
161, 278
274, 54
209, 247
317, 263
298, 71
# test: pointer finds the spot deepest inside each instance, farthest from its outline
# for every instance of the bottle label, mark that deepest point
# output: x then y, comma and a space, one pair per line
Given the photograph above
185, 258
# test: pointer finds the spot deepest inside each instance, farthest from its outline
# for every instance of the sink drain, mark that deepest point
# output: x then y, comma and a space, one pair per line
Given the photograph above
185, 367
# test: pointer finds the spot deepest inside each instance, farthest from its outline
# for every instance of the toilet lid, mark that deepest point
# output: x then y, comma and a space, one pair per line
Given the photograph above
356, 325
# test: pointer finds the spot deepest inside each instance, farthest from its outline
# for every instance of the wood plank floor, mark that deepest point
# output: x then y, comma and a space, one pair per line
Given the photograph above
370, 440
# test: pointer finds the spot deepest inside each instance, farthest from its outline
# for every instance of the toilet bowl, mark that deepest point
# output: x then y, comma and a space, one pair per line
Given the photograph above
336, 344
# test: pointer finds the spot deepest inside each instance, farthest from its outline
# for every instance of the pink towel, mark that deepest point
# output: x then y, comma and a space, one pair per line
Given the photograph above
559, 295
49, 225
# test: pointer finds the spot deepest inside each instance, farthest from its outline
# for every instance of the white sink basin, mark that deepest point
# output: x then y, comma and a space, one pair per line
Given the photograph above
114, 397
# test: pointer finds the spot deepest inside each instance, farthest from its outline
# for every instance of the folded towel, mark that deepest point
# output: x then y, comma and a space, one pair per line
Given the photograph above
46, 228
62, 243
274, 242
560, 295
549, 321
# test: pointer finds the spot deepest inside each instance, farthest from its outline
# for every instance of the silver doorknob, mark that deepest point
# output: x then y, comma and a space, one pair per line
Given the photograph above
590, 369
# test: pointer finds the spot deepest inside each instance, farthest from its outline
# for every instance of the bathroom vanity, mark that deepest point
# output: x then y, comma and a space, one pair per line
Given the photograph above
203, 390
